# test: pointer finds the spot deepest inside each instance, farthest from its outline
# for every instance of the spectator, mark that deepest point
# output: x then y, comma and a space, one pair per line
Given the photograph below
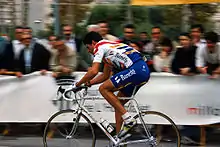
184, 60
139, 46
161, 62
136, 45
33, 57
5, 37
12, 51
209, 56
4, 40
51, 40
2, 47
70, 40
129, 34
104, 31
92, 28
63, 61
196, 34
27, 30
144, 38
151, 48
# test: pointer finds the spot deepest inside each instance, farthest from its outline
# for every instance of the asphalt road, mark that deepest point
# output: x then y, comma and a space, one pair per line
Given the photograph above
37, 142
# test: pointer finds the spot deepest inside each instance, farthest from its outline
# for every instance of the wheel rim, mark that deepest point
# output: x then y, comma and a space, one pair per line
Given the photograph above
68, 133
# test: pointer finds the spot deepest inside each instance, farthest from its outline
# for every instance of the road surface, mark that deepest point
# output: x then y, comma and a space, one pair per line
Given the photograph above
37, 142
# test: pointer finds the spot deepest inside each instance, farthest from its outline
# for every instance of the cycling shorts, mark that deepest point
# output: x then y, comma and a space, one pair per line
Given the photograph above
136, 75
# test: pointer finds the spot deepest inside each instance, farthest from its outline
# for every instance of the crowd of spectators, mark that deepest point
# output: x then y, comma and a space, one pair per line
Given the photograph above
195, 52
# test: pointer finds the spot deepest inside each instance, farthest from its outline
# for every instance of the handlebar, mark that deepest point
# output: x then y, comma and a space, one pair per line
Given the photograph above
75, 90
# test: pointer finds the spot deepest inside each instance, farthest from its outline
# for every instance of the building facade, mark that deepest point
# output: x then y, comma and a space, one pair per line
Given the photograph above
7, 15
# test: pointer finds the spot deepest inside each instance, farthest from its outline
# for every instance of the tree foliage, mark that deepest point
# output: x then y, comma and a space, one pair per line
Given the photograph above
73, 11
117, 16
200, 14
169, 18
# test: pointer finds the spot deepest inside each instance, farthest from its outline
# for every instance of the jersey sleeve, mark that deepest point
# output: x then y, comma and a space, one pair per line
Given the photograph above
98, 56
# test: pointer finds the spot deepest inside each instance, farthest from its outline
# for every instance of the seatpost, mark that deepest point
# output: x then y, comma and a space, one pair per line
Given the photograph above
133, 93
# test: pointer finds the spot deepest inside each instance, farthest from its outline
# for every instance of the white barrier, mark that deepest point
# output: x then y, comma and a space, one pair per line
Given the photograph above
187, 100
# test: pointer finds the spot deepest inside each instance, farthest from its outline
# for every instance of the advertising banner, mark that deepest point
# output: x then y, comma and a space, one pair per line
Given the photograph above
187, 100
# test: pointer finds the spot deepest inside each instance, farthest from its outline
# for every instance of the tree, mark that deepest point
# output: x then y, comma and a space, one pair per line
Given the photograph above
200, 14
108, 13
73, 11
117, 16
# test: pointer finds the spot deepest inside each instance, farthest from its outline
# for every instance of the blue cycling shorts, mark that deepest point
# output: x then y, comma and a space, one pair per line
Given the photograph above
136, 75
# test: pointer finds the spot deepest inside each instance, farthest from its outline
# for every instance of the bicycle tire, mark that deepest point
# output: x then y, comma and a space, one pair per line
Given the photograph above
68, 111
168, 119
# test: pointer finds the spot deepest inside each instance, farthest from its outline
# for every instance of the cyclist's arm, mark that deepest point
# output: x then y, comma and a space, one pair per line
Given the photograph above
92, 72
103, 77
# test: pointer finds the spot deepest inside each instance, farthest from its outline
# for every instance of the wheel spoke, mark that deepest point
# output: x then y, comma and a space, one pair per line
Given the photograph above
68, 133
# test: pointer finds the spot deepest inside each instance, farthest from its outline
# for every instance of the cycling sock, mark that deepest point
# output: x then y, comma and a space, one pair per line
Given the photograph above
127, 118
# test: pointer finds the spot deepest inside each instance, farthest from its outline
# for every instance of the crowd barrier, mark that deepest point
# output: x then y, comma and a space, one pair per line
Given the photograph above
187, 100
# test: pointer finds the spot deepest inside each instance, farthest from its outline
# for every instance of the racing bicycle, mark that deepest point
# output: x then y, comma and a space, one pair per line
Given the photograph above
75, 127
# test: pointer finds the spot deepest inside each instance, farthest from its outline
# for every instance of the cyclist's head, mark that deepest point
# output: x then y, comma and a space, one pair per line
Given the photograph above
91, 39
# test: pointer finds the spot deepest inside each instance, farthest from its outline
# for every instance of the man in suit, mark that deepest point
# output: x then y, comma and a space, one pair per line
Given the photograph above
70, 41
12, 50
33, 57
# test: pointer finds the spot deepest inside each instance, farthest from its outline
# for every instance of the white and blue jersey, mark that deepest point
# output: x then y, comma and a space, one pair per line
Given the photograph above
133, 71
117, 55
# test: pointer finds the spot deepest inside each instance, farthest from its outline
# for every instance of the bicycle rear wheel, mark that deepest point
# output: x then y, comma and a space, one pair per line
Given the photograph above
64, 129
156, 135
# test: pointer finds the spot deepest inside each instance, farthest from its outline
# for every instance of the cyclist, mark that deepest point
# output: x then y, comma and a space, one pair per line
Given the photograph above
133, 71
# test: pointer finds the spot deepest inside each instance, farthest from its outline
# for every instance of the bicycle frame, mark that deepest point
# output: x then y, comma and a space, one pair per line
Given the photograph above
83, 110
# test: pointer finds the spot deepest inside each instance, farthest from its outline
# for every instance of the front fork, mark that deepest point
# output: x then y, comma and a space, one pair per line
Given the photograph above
74, 128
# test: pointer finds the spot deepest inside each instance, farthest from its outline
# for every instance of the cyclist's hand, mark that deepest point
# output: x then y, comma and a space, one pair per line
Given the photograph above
88, 84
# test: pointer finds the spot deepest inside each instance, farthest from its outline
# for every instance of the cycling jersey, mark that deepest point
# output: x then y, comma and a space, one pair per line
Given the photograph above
117, 55
133, 70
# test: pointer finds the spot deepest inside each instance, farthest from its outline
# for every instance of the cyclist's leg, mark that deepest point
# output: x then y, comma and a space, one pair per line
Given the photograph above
118, 115
107, 90
124, 92
124, 81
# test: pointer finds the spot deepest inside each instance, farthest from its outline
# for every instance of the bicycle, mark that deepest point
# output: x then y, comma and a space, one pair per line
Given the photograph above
81, 114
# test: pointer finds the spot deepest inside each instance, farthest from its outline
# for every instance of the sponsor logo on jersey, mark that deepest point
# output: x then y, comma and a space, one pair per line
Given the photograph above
123, 58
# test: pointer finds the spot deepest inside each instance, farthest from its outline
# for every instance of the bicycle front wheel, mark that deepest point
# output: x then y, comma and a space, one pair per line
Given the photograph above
157, 135
64, 129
